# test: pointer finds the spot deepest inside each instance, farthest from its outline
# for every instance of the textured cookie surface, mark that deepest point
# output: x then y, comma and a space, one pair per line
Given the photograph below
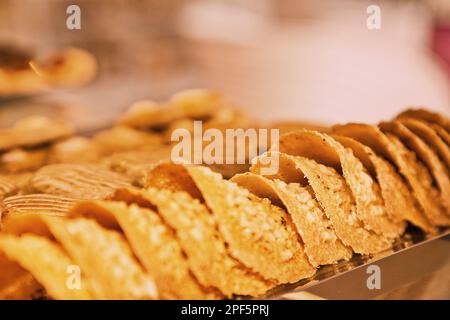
327, 151
400, 203
200, 239
154, 243
336, 199
322, 246
78, 181
46, 261
104, 257
426, 155
414, 173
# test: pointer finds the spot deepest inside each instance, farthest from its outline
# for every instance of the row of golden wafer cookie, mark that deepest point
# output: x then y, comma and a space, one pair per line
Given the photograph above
331, 197
191, 226
37, 141
185, 248
86, 173
142, 135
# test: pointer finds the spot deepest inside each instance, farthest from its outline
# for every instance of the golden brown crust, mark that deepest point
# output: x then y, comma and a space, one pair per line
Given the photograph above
197, 233
33, 131
336, 199
20, 180
39, 202
426, 155
325, 150
256, 231
77, 181
137, 164
191, 104
427, 115
400, 203
23, 287
69, 67
111, 270
154, 244
322, 246
415, 174
21, 213
20, 160
274, 251
442, 133
7, 187
173, 177
430, 136
422, 183
74, 150
46, 261
121, 138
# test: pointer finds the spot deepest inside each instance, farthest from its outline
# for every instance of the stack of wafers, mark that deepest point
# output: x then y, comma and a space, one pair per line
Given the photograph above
111, 217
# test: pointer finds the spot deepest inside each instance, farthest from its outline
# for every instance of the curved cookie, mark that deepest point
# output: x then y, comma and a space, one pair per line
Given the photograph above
427, 156
322, 246
427, 115
255, 231
20, 160
75, 149
77, 181
430, 136
121, 138
322, 148
199, 238
445, 135
104, 257
37, 203
153, 242
21, 213
45, 260
335, 197
424, 180
415, 174
136, 164
194, 104
33, 131
70, 67
400, 203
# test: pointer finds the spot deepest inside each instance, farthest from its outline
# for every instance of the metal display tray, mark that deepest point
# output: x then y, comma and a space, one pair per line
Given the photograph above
414, 258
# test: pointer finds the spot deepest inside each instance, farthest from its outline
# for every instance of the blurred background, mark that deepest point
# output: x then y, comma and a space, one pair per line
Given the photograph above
308, 60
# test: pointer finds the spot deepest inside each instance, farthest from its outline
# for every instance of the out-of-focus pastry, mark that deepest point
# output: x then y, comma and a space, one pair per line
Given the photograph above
34, 131
67, 68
